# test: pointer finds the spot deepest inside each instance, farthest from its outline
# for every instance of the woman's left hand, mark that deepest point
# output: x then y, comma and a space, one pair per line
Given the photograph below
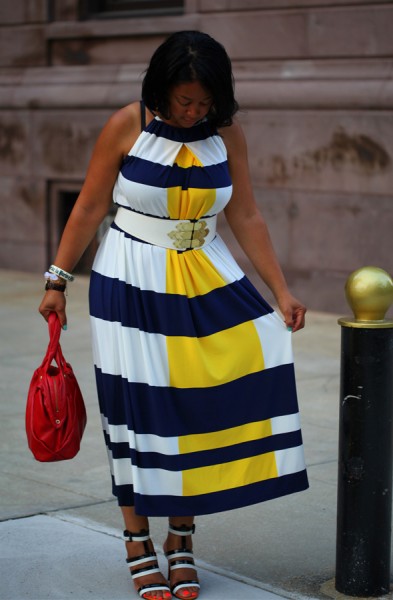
293, 312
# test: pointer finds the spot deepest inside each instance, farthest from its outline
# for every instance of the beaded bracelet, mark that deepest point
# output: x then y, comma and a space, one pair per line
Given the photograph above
61, 273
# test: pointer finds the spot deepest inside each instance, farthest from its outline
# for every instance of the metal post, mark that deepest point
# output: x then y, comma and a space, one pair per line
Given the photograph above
364, 502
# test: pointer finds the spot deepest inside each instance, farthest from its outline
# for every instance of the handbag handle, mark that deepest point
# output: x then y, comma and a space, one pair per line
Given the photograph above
53, 349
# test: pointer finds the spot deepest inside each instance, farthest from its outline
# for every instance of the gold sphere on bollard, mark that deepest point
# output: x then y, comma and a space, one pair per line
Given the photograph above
369, 292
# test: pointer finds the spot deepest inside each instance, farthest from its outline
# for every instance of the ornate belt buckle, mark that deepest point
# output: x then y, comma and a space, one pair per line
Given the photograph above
189, 234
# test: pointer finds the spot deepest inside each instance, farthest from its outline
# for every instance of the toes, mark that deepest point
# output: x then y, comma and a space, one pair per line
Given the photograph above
188, 594
157, 596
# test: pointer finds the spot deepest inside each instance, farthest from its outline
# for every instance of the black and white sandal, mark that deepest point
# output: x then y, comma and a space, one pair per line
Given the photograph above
182, 558
149, 557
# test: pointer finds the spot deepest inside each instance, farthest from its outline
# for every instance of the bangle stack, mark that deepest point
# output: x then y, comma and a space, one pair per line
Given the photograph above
57, 279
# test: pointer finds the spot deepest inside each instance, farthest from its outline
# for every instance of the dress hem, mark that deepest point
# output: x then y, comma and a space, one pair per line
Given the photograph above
168, 506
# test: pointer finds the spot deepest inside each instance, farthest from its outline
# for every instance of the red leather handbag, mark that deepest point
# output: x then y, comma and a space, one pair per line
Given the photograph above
55, 410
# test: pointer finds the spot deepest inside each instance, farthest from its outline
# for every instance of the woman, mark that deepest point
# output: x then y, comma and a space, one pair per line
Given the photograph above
194, 369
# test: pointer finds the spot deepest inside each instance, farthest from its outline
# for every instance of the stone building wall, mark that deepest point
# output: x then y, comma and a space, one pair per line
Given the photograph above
314, 80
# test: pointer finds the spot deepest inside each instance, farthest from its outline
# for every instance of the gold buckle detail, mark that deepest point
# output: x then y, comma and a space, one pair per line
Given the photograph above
189, 234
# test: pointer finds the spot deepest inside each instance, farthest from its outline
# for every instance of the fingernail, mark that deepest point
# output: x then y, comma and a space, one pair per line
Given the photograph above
289, 328
65, 327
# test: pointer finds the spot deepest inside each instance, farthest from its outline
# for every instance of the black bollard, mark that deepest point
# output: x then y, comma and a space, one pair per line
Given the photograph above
364, 503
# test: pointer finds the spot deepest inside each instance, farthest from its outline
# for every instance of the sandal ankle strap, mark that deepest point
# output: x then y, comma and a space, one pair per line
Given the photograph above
182, 530
142, 536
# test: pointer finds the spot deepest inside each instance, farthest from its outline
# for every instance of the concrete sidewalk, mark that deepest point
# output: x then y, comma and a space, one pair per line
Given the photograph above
61, 528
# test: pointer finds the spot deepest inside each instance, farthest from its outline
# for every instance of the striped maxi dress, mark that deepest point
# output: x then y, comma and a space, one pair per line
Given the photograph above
194, 369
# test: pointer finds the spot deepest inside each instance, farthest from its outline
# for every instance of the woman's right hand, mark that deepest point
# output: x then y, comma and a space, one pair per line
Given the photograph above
54, 301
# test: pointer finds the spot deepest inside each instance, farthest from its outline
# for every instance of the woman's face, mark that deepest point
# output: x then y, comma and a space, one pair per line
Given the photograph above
188, 103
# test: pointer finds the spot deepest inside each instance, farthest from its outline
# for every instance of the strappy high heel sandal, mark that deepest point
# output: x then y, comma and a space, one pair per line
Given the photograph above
145, 591
182, 558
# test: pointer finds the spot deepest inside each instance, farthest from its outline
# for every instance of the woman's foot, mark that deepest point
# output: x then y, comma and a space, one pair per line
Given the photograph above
182, 573
142, 560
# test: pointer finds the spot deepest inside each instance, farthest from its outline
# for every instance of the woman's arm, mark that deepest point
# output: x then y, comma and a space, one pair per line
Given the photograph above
251, 231
93, 202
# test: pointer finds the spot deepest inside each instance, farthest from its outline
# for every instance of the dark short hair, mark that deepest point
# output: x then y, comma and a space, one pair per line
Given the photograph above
191, 56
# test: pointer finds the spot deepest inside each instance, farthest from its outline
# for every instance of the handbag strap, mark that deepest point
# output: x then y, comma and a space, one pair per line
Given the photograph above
54, 330
52, 351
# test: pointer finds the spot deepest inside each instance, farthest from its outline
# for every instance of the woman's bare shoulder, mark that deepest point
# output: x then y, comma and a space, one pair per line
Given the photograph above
232, 134
124, 126
127, 117
234, 140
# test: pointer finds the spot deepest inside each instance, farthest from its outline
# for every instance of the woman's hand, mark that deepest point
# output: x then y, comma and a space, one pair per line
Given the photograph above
54, 301
293, 312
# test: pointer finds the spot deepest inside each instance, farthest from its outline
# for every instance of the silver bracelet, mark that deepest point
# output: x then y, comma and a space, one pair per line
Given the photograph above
63, 274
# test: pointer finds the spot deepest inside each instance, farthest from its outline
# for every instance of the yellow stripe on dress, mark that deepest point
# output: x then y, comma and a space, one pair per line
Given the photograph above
229, 475
191, 203
214, 359
227, 437
191, 274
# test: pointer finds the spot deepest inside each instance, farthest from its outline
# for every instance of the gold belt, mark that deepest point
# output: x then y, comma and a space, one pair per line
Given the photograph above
167, 233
